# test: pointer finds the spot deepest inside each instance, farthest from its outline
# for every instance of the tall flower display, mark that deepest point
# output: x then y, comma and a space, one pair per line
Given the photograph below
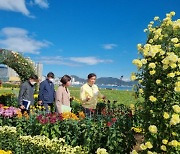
16, 61
158, 79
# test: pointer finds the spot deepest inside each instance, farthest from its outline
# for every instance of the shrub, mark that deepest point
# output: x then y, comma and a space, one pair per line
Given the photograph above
8, 99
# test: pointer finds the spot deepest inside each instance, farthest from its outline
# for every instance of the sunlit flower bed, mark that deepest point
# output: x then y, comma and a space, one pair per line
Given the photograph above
109, 129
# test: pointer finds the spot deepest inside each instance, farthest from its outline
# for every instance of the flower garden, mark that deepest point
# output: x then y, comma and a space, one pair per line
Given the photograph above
113, 127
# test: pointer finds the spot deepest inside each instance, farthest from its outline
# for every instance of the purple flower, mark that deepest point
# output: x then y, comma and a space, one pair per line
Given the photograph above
8, 113
1, 111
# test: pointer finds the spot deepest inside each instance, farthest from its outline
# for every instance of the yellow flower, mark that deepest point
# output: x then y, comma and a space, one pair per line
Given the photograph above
5, 152
148, 145
137, 62
137, 129
132, 107
139, 47
145, 30
177, 89
133, 152
152, 99
35, 96
152, 65
133, 77
172, 13
164, 141
176, 108
175, 119
144, 61
140, 91
101, 151
140, 81
156, 18
173, 65
143, 147
174, 40
151, 41
158, 81
166, 115
163, 147
177, 45
171, 75
152, 72
174, 134
151, 111
153, 129
173, 143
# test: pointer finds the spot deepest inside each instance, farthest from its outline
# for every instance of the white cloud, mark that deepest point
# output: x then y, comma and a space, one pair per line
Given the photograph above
14, 5
42, 3
89, 60
18, 39
20, 5
109, 46
71, 61
58, 60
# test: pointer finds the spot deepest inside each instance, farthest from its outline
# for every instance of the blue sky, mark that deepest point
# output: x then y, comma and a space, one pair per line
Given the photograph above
77, 37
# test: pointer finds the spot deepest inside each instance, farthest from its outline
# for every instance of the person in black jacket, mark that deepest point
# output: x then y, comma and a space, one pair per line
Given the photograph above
26, 92
46, 92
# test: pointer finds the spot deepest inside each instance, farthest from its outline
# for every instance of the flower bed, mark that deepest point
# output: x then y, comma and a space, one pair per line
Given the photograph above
109, 129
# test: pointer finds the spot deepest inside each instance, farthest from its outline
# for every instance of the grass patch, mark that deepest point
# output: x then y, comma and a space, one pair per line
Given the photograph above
122, 97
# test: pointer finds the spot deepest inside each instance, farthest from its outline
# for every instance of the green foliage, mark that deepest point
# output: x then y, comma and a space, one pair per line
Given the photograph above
8, 99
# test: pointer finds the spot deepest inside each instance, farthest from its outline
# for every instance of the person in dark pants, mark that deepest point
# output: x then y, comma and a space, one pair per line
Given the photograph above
26, 92
47, 93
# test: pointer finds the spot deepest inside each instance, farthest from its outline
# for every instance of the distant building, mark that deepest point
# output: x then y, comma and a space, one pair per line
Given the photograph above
74, 82
13, 76
39, 70
4, 73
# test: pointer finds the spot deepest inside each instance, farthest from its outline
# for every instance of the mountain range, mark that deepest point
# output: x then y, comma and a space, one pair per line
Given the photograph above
106, 81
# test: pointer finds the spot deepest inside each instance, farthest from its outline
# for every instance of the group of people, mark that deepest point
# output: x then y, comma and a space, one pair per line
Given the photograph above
89, 93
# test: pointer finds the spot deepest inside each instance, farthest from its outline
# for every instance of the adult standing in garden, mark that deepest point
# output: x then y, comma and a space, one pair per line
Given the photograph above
63, 95
26, 93
89, 95
47, 93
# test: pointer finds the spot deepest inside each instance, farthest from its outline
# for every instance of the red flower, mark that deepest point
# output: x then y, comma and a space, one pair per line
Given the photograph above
113, 120
52, 120
39, 117
103, 112
109, 124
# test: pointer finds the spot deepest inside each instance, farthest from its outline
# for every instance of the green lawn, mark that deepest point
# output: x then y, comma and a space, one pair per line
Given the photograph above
123, 97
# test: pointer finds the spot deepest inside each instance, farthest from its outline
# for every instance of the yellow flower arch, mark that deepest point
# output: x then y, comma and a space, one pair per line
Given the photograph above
16, 61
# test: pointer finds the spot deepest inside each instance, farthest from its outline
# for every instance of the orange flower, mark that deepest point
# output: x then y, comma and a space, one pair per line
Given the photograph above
19, 114
69, 115
81, 115
26, 115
